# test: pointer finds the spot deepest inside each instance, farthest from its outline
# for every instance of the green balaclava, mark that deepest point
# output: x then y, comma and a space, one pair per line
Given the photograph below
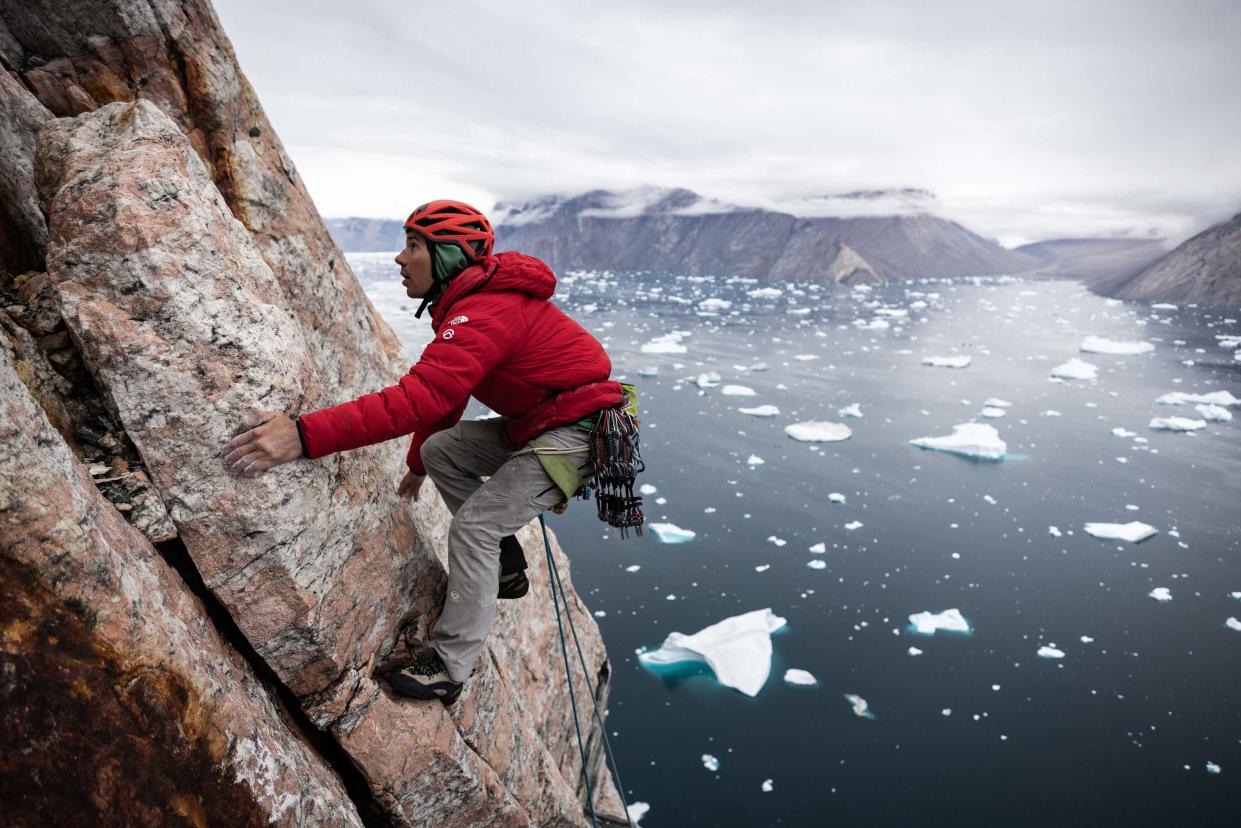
447, 260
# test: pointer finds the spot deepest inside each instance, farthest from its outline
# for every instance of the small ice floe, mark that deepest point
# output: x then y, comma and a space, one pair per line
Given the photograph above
707, 379
754, 460
996, 402
1233, 624
737, 649
914, 651
633, 567
671, 533
714, 305
1050, 651
1085, 639
648, 371
854, 525
669, 343
1051, 412
1236, 595
835, 497
1223, 398
765, 293
1213, 413
1212, 767
928, 622
819, 548
947, 361
600, 614
737, 391
800, 678
993, 412
815, 431
1123, 432
1164, 306
1134, 531
1100, 345
1054, 531
1075, 369
816, 564
766, 786
647, 489
777, 541
976, 440
710, 762
805, 357
1176, 424
762, 567
637, 810
761, 411
1161, 594
860, 707
854, 410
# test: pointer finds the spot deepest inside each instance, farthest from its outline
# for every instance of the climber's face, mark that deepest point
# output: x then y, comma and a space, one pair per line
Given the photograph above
415, 262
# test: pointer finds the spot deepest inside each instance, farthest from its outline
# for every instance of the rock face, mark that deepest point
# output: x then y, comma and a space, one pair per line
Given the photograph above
189, 278
117, 697
679, 231
1204, 269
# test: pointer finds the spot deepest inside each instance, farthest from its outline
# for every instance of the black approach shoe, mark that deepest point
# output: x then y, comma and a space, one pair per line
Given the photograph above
513, 581
426, 678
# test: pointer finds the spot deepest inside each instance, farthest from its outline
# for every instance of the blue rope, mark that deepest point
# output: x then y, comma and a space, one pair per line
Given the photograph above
556, 584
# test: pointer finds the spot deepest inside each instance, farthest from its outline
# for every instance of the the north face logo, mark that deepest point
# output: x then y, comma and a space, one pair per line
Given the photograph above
457, 320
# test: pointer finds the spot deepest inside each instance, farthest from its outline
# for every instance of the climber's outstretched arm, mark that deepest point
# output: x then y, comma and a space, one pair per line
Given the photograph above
270, 439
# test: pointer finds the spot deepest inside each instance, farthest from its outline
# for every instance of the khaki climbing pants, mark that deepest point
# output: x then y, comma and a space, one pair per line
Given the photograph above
517, 491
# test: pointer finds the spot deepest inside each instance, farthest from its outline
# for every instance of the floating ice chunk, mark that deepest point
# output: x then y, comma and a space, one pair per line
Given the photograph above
1212, 398
737, 649
928, 622
762, 567
714, 305
1122, 432
914, 651
637, 810
817, 564
671, 533
737, 391
759, 366
815, 431
860, 707
996, 402
1176, 424
1099, 345
777, 541
765, 293
766, 786
1163, 306
1054, 531
1075, 369
1233, 624
1212, 767
976, 440
648, 371
1213, 413
710, 762
647, 489
669, 343
853, 525
1051, 412
1134, 531
707, 379
633, 567
1085, 639
799, 677
871, 324
755, 460
1236, 595
819, 548
1161, 594
761, 411
836, 497
947, 361
854, 410
805, 357
1050, 652
993, 412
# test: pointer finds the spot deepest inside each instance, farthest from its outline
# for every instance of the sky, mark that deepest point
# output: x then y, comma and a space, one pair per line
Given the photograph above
1026, 121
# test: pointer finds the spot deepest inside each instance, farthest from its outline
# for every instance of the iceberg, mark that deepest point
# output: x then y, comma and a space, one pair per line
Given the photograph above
1212, 767
835, 497
761, 411
1099, 345
976, 440
1223, 398
860, 707
1213, 413
947, 361
737, 391
765, 293
1134, 531
853, 410
817, 564
1233, 624
1075, 369
819, 548
671, 533
667, 344
1050, 652
800, 678
914, 651
737, 649
853, 525
996, 402
1161, 594
710, 762
714, 305
1164, 306
637, 810
755, 460
1120, 431
708, 379
647, 489
648, 371
805, 357
927, 623
993, 412
818, 432
1176, 424
766, 786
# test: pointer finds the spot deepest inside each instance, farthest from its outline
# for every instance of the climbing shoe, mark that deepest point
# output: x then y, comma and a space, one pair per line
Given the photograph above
513, 581
425, 678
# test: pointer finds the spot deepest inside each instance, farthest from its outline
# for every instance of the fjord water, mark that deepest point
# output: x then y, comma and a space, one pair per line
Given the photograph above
978, 729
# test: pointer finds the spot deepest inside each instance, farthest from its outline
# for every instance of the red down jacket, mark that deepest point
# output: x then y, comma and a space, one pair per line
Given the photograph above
496, 338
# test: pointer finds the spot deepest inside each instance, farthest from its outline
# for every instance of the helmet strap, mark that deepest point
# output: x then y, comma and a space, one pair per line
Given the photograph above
447, 260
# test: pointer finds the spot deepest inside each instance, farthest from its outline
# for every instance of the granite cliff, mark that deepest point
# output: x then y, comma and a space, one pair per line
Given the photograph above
178, 646
1204, 269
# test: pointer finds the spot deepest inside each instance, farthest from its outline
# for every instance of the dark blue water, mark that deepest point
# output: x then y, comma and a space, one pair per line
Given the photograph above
1120, 730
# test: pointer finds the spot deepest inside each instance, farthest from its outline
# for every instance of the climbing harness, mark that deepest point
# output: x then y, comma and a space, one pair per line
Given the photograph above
556, 585
617, 461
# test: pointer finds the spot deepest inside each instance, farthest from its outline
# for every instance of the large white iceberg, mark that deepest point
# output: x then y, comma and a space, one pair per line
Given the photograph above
671, 533
1176, 424
737, 649
977, 440
761, 411
1075, 369
947, 361
818, 432
1213, 413
1212, 398
1134, 531
949, 621
1100, 345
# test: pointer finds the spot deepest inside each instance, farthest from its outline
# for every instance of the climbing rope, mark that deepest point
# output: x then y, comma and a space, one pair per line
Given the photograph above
554, 580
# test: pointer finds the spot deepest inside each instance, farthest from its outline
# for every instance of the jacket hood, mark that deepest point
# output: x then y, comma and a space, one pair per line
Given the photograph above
504, 271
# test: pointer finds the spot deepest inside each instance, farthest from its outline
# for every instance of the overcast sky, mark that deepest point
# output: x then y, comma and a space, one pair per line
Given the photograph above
1026, 120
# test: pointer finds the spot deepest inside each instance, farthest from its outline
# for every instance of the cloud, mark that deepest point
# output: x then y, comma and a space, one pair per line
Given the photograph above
1054, 118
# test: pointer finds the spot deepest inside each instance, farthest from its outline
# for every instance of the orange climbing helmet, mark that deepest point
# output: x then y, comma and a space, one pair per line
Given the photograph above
453, 222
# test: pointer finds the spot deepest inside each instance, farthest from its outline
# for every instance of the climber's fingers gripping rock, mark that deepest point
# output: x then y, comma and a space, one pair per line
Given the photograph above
269, 439
409, 486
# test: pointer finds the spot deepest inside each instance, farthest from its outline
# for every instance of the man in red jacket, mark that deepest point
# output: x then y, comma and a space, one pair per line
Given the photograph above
499, 339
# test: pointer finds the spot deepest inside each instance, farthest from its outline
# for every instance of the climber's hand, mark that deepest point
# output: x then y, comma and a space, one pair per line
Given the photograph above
270, 439
409, 486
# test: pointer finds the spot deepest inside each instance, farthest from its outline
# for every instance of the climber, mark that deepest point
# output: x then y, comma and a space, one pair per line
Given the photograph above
498, 338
